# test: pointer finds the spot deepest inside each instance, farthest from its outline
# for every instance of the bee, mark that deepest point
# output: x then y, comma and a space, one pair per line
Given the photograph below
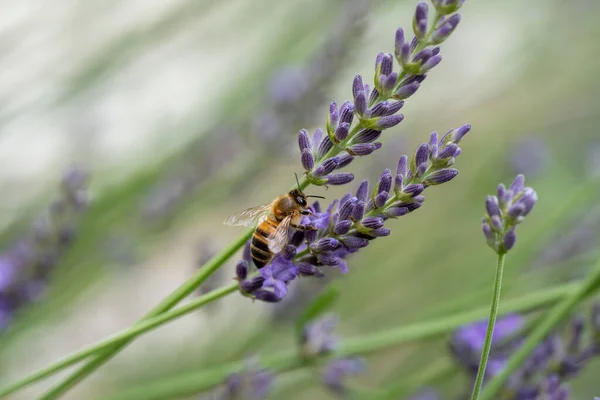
275, 219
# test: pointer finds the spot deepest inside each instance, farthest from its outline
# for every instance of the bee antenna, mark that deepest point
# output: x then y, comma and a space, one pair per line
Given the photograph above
318, 197
297, 182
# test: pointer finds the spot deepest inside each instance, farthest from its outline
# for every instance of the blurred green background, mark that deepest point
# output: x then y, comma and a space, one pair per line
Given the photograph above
187, 111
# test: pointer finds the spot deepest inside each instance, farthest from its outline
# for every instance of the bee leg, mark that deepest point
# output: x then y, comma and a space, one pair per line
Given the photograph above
304, 227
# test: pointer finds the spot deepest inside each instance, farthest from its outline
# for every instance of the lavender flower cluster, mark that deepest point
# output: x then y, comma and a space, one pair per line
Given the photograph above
504, 212
26, 268
352, 129
351, 223
560, 357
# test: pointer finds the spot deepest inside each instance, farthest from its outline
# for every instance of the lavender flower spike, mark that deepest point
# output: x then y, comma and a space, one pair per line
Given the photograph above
504, 212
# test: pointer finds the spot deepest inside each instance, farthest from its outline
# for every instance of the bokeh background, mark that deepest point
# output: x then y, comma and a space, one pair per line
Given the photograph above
187, 111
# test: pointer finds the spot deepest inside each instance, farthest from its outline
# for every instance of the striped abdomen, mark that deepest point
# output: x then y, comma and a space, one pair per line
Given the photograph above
259, 248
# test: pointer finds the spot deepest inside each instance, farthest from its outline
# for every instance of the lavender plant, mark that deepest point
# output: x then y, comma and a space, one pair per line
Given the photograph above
26, 268
504, 212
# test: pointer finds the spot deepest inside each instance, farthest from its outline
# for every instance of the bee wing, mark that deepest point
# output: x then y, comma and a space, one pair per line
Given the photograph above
279, 238
248, 216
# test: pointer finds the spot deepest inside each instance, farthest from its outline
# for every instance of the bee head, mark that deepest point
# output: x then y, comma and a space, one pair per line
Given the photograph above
299, 198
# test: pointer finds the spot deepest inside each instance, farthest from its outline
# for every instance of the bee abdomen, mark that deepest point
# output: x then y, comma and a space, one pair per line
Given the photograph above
259, 247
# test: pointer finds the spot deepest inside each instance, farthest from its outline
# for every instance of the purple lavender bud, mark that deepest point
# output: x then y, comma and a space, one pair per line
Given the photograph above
423, 56
317, 337
363, 149
338, 179
379, 109
435, 51
496, 223
394, 107
445, 30
402, 166
399, 42
307, 159
329, 259
510, 238
398, 183
440, 176
385, 182
288, 252
414, 189
460, 132
345, 198
325, 145
345, 159
389, 82
489, 235
353, 242
420, 20
303, 140
363, 191
430, 63
405, 91
372, 222
380, 232
422, 154
433, 139
387, 63
504, 196
378, 59
341, 133
309, 270
334, 116
421, 169
266, 296
325, 244
316, 138
347, 113
326, 167
528, 199
518, 185
491, 205
357, 86
515, 213
337, 370
241, 270
448, 151
358, 211
342, 227
367, 136
374, 96
360, 103
380, 199
346, 209
389, 121
395, 212
250, 286
310, 236
405, 54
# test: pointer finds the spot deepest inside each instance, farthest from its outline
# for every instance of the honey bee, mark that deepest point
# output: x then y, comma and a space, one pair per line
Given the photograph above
275, 219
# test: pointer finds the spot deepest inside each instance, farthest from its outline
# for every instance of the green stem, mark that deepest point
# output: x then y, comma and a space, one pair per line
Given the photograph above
553, 318
206, 378
169, 302
487, 345
128, 334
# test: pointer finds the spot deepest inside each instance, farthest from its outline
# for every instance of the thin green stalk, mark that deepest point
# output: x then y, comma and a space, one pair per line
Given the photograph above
128, 334
553, 318
487, 345
169, 302
165, 305
207, 378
